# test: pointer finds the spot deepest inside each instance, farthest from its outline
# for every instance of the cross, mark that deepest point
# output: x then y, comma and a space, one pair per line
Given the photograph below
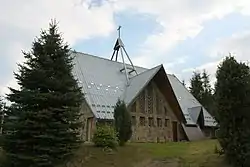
119, 31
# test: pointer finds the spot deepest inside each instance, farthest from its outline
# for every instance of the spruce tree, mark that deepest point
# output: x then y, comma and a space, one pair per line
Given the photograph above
123, 124
207, 95
196, 86
43, 120
201, 90
232, 92
2, 108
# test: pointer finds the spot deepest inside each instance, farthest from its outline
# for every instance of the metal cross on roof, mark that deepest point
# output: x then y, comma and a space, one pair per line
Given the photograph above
119, 46
119, 31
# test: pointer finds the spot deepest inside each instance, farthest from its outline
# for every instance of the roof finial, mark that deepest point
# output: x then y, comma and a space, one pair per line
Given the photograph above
119, 46
119, 31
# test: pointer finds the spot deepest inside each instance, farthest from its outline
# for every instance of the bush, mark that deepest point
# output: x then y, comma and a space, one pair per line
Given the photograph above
123, 122
105, 136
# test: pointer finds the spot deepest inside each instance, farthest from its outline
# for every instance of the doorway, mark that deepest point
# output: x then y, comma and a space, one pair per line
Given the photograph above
89, 129
175, 131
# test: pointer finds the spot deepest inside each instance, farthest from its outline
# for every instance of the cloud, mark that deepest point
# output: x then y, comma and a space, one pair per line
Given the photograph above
177, 20
237, 44
20, 22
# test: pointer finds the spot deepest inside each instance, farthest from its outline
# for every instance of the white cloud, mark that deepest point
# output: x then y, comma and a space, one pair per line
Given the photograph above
237, 45
21, 21
179, 20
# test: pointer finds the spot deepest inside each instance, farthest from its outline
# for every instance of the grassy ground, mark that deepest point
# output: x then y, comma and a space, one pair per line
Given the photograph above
185, 154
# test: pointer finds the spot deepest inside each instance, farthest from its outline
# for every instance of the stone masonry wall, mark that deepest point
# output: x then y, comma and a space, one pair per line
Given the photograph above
152, 117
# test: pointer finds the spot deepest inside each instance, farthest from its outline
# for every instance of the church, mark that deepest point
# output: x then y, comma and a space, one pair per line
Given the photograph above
161, 107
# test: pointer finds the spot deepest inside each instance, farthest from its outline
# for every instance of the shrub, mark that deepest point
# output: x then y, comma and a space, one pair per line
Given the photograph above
123, 123
105, 136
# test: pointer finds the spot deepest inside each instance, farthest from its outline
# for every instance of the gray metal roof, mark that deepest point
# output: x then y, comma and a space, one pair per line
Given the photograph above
138, 82
195, 112
103, 83
187, 101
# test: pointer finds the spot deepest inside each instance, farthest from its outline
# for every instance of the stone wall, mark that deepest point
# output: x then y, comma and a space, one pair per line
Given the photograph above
88, 119
152, 117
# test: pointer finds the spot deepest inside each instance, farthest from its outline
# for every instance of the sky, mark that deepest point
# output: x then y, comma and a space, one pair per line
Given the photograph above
183, 35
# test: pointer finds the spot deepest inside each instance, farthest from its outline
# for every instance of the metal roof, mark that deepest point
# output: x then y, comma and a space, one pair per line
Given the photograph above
138, 82
103, 83
188, 103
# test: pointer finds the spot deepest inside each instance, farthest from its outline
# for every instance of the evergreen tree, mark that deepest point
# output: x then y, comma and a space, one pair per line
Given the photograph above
196, 86
45, 111
2, 108
201, 90
207, 95
123, 124
232, 92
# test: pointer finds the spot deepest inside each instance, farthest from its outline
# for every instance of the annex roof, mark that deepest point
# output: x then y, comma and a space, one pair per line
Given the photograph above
190, 106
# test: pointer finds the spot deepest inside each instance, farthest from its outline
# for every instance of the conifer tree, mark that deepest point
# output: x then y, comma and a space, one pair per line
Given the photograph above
232, 92
2, 108
196, 86
201, 90
123, 124
207, 95
43, 120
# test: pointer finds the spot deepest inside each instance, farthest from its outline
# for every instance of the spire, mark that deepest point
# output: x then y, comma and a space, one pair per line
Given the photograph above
119, 46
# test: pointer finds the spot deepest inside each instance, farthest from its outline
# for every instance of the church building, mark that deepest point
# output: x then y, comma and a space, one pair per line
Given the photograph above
161, 108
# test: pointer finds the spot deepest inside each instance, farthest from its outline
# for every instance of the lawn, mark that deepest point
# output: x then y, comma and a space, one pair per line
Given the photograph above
183, 154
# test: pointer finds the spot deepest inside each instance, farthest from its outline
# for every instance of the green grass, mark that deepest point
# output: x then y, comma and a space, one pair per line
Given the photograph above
200, 153
182, 154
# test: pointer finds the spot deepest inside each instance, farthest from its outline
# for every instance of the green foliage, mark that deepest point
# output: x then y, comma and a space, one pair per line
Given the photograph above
233, 106
196, 87
41, 127
123, 124
105, 136
202, 91
2, 111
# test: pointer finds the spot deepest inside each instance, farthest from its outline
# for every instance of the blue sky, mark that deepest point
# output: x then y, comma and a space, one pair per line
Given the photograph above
182, 35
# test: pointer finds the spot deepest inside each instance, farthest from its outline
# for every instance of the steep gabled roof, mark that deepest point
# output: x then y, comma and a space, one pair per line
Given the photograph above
103, 82
189, 103
137, 83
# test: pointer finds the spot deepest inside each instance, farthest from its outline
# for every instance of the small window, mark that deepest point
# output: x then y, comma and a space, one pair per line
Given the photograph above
159, 122
103, 105
142, 121
166, 122
93, 105
150, 121
98, 105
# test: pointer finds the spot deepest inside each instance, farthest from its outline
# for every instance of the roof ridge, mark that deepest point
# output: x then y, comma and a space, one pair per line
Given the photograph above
103, 58
147, 70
